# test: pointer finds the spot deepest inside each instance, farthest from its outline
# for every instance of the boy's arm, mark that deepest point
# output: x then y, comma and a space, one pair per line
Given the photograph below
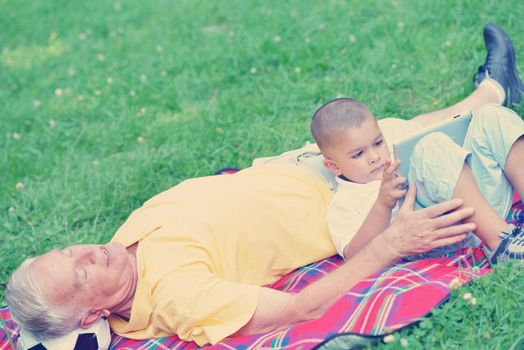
379, 217
377, 220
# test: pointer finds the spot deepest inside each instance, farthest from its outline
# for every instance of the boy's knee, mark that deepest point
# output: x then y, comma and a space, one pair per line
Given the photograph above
436, 151
433, 143
435, 166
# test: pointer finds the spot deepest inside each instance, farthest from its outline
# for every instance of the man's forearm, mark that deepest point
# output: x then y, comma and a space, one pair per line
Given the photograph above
316, 298
278, 310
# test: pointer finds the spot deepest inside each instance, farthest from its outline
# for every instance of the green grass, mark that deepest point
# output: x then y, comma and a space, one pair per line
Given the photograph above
205, 85
495, 322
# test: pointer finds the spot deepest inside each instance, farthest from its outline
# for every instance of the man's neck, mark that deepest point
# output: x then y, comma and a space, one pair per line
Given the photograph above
123, 309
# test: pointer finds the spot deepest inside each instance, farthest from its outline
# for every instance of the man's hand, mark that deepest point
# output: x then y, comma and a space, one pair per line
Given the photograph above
392, 187
414, 232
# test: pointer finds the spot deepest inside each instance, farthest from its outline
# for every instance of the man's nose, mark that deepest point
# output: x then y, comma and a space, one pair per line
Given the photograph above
87, 257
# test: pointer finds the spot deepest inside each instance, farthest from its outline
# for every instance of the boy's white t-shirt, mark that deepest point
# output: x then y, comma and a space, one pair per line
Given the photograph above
353, 201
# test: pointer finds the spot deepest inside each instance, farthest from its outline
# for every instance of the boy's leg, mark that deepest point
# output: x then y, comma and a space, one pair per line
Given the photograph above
489, 223
441, 175
491, 135
495, 140
496, 148
514, 166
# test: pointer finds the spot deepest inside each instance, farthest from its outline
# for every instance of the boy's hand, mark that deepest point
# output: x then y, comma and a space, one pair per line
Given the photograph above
393, 186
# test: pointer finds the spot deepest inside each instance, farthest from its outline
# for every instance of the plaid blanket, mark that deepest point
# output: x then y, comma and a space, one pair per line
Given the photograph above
384, 302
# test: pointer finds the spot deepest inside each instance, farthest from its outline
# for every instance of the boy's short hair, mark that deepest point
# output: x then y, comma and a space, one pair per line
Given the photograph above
334, 118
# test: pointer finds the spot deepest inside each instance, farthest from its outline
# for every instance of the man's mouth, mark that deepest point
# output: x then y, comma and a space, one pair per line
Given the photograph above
107, 255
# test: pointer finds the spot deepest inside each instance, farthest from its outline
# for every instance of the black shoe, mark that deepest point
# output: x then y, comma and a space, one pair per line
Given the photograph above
500, 64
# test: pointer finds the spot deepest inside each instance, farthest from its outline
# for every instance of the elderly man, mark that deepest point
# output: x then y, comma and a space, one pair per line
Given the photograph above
192, 261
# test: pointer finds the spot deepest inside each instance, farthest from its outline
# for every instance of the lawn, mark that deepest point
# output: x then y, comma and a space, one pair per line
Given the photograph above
104, 104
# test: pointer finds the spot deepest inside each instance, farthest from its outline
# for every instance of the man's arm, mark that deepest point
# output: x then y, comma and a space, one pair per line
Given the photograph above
279, 310
412, 232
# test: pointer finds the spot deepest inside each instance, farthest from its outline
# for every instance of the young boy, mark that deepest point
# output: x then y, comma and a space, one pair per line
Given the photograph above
484, 172
355, 149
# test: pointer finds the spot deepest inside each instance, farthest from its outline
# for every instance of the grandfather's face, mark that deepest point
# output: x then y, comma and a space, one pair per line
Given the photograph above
86, 276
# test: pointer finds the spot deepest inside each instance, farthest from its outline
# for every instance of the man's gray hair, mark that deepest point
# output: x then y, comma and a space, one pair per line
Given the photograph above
31, 311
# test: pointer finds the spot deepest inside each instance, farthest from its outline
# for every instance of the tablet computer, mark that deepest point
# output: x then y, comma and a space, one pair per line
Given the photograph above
456, 128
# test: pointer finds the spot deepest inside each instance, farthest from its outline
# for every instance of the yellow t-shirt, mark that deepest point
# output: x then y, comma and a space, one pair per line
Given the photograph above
208, 244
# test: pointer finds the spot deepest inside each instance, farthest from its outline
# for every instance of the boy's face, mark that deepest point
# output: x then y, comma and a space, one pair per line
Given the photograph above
360, 153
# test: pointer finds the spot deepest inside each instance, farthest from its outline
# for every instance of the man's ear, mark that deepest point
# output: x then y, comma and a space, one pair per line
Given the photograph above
332, 166
92, 316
